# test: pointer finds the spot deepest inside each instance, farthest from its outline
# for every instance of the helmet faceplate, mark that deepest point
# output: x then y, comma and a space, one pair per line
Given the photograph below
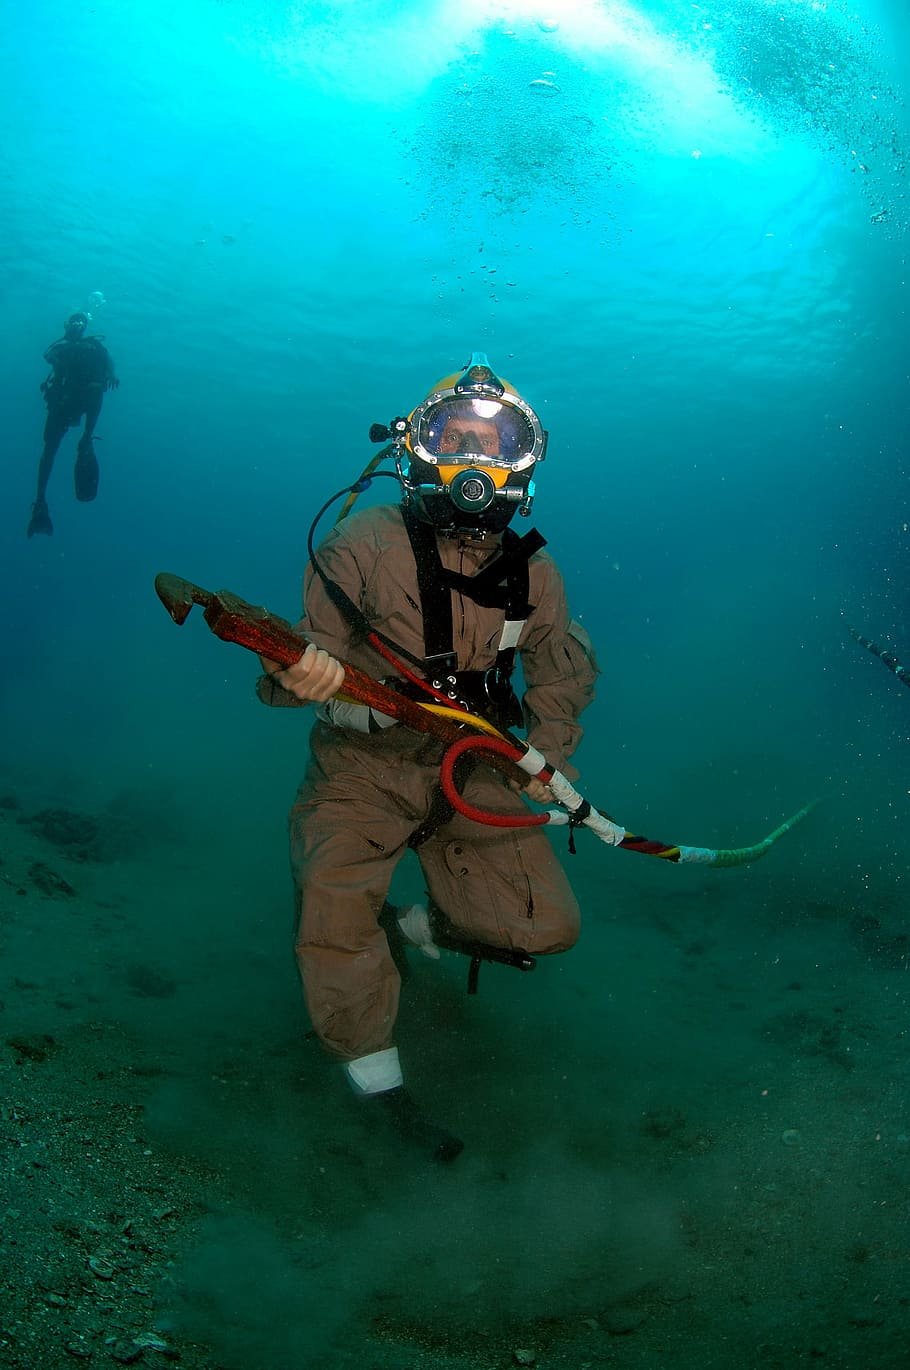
473, 444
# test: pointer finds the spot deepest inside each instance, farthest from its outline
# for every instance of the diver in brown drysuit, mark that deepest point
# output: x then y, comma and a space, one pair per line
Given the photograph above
415, 573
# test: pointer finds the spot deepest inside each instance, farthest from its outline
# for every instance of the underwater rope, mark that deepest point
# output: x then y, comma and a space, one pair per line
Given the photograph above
890, 660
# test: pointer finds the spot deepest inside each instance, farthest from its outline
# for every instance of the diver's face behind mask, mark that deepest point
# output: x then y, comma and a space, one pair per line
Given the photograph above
464, 434
473, 444
75, 326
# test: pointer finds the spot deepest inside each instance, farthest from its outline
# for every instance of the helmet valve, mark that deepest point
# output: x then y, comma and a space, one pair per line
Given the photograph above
472, 491
396, 429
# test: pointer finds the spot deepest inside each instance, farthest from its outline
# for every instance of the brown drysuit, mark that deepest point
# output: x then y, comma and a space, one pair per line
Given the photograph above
364, 795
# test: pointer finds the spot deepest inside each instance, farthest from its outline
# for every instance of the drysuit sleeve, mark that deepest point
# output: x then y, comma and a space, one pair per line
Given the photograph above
347, 561
559, 670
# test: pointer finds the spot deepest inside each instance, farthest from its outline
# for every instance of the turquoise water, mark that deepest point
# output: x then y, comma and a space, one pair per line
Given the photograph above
681, 230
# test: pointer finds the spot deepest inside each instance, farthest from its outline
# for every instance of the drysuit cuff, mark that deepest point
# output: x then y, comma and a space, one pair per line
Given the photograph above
376, 1073
270, 692
358, 718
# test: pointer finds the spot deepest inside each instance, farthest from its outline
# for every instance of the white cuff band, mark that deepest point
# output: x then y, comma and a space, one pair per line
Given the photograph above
357, 718
376, 1073
511, 632
533, 761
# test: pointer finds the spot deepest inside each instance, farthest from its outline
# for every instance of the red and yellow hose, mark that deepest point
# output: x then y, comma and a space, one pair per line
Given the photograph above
234, 620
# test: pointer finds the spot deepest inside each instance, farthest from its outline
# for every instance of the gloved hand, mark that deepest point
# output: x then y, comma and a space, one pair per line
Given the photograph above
316, 676
535, 789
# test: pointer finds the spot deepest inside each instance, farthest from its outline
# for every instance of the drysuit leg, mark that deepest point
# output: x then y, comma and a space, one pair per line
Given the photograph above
501, 886
344, 851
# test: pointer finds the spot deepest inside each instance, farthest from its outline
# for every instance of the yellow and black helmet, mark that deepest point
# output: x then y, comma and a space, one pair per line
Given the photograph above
471, 446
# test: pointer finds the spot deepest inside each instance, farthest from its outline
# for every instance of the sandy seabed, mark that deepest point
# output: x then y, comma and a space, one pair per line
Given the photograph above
687, 1142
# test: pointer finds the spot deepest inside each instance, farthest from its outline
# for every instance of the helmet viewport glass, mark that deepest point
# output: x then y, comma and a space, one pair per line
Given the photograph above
475, 428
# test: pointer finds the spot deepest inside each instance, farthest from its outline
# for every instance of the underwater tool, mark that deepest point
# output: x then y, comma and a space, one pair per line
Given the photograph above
234, 620
890, 660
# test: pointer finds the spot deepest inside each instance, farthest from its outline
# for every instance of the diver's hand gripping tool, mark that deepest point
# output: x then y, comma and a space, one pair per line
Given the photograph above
234, 620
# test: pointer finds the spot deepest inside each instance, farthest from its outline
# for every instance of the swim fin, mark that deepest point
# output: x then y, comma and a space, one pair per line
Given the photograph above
40, 521
86, 472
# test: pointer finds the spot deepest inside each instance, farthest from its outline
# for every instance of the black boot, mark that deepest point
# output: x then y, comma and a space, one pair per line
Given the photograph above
409, 1122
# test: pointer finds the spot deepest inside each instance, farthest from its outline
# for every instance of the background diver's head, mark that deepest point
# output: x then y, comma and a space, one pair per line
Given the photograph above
75, 326
471, 448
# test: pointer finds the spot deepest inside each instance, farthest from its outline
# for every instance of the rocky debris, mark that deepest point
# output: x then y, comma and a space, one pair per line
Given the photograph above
670, 1127
622, 1322
149, 983
36, 1047
63, 828
889, 946
126, 1352
92, 1219
49, 882
814, 1034
120, 829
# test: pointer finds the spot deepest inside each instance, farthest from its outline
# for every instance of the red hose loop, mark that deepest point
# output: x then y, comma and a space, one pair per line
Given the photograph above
447, 781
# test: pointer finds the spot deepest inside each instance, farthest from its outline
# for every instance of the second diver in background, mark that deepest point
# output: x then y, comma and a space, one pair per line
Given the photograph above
82, 369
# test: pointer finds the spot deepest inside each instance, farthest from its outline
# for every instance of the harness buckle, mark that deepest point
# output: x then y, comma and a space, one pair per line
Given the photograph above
441, 664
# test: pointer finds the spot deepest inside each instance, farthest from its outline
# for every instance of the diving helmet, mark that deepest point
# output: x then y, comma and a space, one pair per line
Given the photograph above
469, 452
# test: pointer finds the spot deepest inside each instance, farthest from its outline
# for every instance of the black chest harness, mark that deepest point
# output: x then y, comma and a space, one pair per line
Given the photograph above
502, 584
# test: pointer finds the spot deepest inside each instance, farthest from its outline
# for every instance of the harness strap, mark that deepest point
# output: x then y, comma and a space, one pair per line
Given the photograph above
502, 584
435, 597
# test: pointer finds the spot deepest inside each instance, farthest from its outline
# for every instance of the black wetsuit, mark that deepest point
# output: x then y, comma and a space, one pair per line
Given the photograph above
82, 369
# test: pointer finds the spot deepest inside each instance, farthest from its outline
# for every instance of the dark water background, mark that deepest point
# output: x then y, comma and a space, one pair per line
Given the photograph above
688, 251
